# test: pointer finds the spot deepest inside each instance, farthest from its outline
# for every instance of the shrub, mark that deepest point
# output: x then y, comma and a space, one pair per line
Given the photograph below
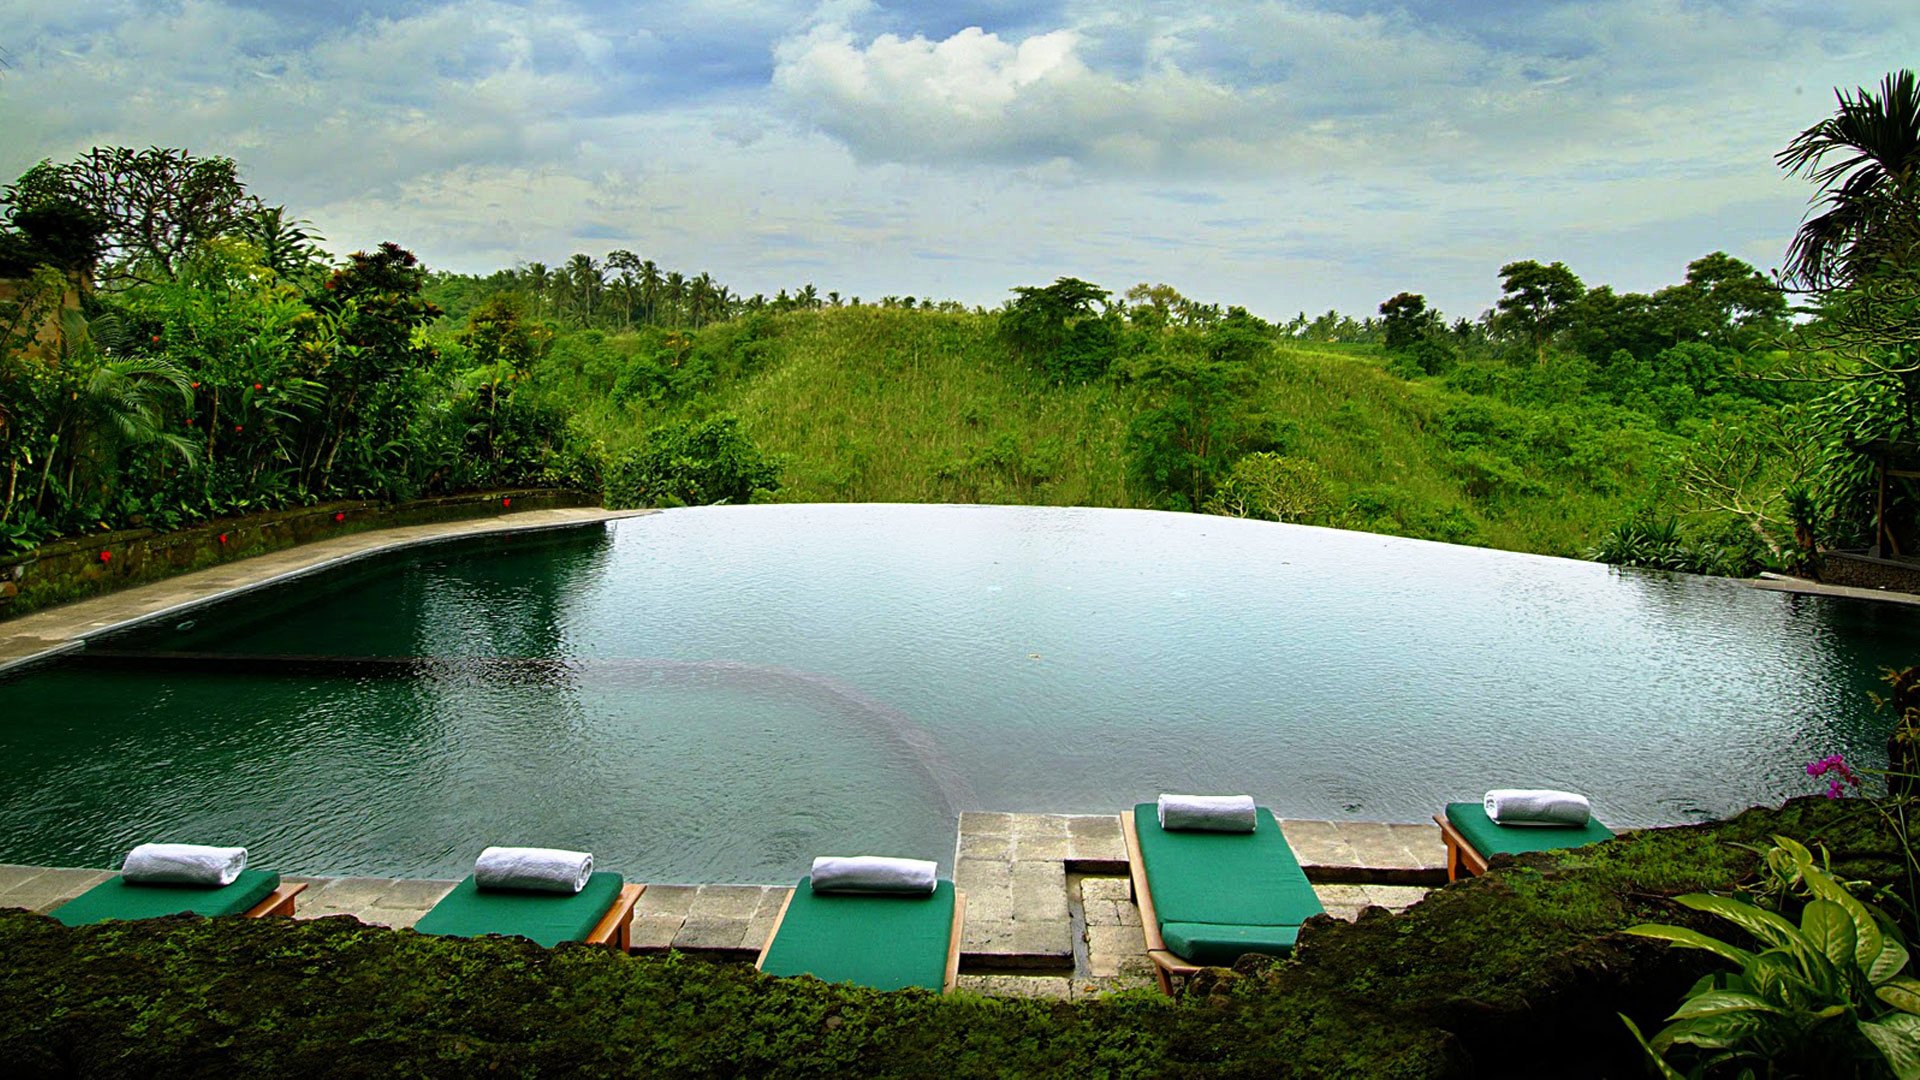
1274, 488
692, 464
1826, 997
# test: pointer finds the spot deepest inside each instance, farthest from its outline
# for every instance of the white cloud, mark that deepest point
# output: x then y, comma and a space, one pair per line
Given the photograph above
1273, 154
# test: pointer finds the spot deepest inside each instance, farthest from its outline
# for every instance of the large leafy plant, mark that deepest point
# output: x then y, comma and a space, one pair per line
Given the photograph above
1828, 997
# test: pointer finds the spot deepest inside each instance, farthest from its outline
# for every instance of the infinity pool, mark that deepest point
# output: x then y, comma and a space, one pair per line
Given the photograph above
719, 694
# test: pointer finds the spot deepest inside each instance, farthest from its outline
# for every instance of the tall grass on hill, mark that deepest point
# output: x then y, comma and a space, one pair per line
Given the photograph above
874, 405
871, 404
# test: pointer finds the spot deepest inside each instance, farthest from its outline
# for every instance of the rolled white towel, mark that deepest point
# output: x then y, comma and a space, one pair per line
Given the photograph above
1524, 806
1208, 813
183, 864
873, 873
537, 869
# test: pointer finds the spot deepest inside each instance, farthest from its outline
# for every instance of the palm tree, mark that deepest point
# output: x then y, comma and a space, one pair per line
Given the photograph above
676, 292
288, 246
650, 285
1871, 195
583, 273
627, 263
703, 294
537, 277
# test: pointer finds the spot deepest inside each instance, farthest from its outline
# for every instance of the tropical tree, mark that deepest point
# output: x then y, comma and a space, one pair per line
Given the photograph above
1058, 329
586, 280
1858, 256
1866, 160
1407, 319
627, 284
288, 246
156, 204
1537, 302
651, 285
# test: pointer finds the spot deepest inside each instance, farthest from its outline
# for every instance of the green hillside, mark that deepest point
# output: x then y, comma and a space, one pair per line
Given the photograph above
875, 404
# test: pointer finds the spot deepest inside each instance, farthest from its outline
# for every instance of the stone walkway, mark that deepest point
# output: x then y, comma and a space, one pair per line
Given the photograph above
1783, 583
59, 629
1050, 909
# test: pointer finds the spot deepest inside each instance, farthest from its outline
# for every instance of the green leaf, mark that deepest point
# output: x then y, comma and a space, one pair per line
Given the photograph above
1691, 939
1721, 1031
1759, 922
1795, 850
1776, 977
1897, 1037
1828, 928
1869, 942
1902, 992
1666, 1071
1714, 1002
1892, 959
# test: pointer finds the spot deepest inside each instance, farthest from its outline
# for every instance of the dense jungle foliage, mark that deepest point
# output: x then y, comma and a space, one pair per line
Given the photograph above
173, 349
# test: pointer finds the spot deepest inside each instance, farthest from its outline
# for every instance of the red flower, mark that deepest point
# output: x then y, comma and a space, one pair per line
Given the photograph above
156, 339
223, 538
238, 428
505, 501
340, 515
257, 386
106, 556
189, 421
196, 386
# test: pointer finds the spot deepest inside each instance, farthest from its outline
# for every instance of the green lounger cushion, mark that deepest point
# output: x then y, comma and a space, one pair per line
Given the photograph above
547, 918
1213, 943
1218, 891
115, 899
885, 942
1490, 839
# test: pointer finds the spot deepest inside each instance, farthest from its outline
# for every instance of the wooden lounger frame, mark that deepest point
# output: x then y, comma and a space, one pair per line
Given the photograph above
615, 928
953, 937
279, 902
1462, 859
1166, 966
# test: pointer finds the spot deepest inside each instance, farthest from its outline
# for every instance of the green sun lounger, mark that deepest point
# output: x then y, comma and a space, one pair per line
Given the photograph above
599, 914
255, 894
1207, 898
1472, 838
887, 942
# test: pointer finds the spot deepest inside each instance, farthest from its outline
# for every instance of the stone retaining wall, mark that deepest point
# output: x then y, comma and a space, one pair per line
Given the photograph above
1863, 571
90, 565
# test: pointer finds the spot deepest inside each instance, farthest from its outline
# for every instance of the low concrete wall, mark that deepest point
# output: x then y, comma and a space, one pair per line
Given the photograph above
88, 566
1863, 571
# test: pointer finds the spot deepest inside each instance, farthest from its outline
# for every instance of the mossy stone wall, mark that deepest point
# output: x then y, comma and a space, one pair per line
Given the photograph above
91, 565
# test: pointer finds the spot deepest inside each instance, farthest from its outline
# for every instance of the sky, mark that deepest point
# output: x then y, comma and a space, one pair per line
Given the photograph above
1284, 156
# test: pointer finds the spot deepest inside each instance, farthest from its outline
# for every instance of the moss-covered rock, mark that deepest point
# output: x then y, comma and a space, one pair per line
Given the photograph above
1519, 972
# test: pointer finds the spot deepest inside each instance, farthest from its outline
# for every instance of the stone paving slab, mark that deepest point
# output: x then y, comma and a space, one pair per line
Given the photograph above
40, 634
727, 922
1013, 868
1367, 852
394, 902
41, 889
1089, 843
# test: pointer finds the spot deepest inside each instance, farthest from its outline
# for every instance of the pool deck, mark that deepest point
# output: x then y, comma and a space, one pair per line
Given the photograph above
1783, 583
66, 627
1050, 909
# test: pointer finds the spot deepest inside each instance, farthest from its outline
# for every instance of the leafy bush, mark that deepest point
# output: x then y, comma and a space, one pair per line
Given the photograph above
692, 464
1275, 488
1825, 998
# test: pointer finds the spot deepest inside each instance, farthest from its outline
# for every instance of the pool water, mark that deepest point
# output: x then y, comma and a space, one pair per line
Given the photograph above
721, 693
